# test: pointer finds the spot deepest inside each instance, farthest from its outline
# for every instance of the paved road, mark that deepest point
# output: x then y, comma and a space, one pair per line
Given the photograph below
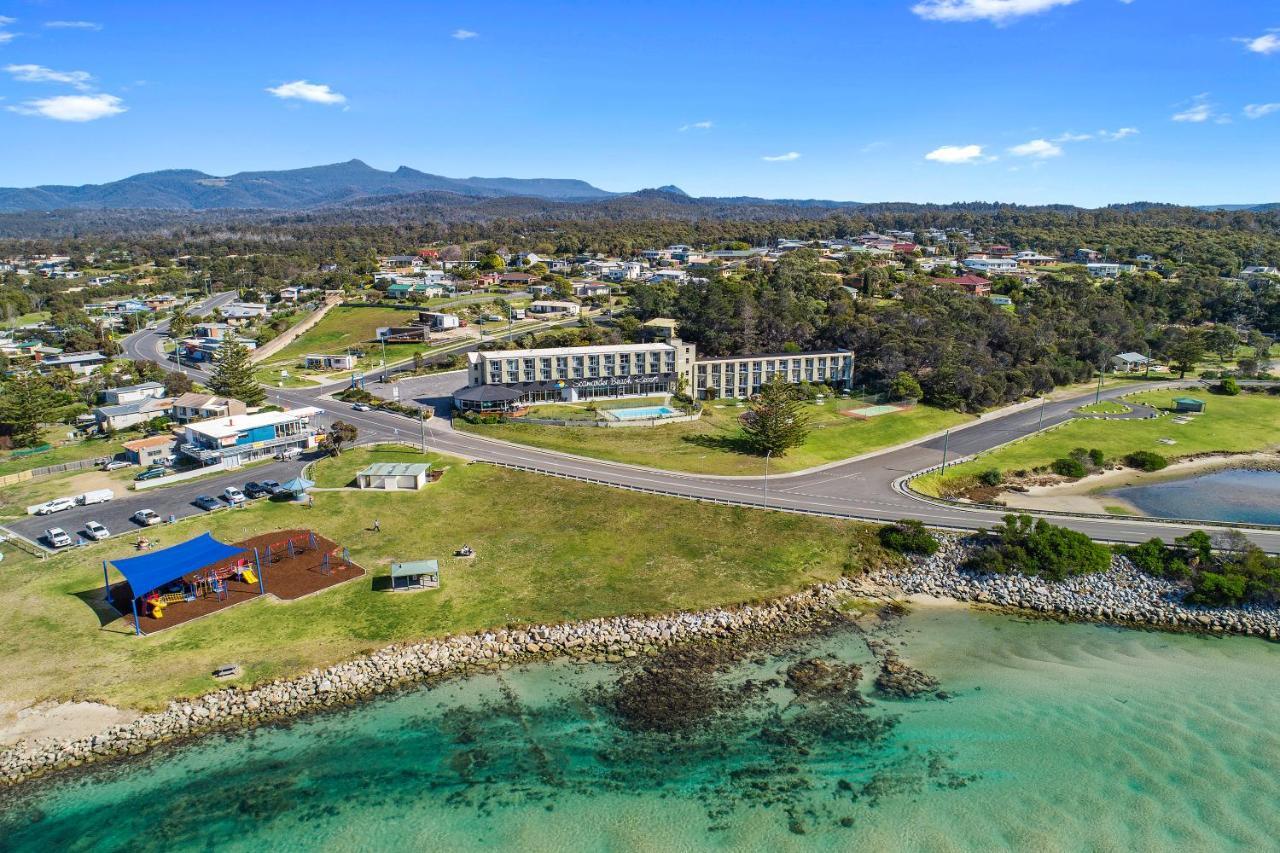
863, 488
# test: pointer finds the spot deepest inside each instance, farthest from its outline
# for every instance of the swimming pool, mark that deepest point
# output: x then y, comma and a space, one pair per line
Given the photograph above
641, 412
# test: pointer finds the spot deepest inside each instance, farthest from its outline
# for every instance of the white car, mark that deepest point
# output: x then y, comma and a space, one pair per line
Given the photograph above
96, 531
55, 505
362, 407
146, 517
57, 537
116, 465
233, 496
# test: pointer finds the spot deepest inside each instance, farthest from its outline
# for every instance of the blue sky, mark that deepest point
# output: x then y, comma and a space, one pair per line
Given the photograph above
1033, 101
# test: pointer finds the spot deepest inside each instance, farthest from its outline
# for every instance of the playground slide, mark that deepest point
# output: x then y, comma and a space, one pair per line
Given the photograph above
248, 576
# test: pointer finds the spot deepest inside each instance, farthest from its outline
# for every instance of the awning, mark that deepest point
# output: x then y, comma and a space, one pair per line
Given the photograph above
151, 571
297, 485
415, 567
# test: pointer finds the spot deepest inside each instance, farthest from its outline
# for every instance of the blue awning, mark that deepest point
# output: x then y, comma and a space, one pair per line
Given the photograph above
297, 485
150, 571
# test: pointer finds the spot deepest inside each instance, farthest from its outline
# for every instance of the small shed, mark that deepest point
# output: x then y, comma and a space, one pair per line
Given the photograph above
393, 475
415, 575
1188, 404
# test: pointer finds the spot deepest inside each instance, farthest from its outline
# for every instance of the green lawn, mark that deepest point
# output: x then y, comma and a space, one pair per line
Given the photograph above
547, 550
25, 319
1106, 407
715, 444
68, 451
1230, 424
345, 326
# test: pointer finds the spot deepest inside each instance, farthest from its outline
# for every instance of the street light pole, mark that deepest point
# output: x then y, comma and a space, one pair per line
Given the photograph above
946, 440
767, 454
1097, 397
384, 361
422, 426
1040, 425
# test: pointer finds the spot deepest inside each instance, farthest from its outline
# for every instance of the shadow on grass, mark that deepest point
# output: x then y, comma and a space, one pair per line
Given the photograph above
106, 614
727, 443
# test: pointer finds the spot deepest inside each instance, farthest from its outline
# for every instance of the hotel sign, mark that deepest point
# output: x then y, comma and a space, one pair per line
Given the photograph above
609, 381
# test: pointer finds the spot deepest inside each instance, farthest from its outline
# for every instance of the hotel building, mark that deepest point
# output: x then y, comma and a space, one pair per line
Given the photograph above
502, 379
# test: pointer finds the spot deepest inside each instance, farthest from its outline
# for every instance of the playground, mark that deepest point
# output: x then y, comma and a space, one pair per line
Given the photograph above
286, 564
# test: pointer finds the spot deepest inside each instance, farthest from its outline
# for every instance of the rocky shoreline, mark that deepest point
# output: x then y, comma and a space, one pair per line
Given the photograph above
1123, 594
611, 640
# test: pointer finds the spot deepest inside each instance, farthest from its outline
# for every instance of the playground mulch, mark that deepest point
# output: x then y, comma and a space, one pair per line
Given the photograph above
286, 577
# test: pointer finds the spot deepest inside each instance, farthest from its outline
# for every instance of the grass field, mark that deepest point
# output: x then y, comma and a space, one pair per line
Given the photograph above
547, 550
345, 326
1229, 424
72, 451
715, 443
1106, 407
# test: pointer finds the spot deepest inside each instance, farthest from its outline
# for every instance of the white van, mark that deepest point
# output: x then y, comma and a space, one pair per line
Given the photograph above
97, 496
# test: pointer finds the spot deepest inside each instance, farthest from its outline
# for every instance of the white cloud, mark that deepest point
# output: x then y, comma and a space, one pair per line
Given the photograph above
951, 154
73, 107
782, 158
463, 35
1267, 43
73, 25
996, 11
40, 74
1199, 110
1260, 110
1117, 135
301, 90
1040, 149
697, 125
6, 37
1073, 137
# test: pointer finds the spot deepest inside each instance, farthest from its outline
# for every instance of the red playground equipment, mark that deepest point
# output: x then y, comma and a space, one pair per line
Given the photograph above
292, 546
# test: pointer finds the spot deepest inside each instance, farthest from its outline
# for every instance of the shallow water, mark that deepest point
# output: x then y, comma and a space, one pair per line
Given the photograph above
1239, 495
1057, 737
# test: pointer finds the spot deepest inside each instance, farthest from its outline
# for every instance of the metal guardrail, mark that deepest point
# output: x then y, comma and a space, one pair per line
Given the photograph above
24, 544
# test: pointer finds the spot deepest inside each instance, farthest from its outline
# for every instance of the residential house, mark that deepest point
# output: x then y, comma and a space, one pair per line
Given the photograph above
438, 321
991, 266
395, 262
125, 415
194, 406
516, 279
237, 313
585, 289
668, 276
972, 284
152, 450
238, 439
79, 363
131, 393
545, 308
326, 361
213, 331
1087, 256
1131, 362
206, 348
1098, 270
1032, 259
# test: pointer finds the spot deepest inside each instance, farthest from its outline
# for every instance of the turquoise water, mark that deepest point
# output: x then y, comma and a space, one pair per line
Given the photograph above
1243, 496
639, 412
1056, 737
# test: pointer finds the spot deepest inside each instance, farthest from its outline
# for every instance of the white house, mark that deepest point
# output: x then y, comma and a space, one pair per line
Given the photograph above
551, 307
993, 266
1103, 270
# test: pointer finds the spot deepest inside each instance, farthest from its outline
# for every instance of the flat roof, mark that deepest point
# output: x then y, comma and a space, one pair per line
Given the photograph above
752, 356
595, 349
396, 469
225, 427
415, 567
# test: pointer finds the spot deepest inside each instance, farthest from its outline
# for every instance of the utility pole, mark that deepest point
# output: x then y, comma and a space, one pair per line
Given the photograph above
1040, 425
946, 440
384, 361
1097, 397
422, 426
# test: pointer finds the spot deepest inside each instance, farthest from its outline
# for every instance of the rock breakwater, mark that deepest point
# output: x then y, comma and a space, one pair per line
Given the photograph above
608, 640
1121, 594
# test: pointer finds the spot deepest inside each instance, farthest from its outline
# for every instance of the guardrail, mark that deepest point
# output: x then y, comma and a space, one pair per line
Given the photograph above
24, 544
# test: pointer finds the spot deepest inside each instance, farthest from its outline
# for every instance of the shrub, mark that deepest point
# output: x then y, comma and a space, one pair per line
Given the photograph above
1217, 590
1096, 457
1145, 460
991, 477
1036, 547
1227, 386
1069, 467
908, 536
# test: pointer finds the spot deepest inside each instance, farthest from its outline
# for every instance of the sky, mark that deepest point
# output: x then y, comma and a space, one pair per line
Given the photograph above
1086, 102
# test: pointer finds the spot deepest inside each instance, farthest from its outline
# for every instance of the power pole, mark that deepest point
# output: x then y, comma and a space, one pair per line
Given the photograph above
422, 426
946, 440
767, 454
1040, 425
1097, 397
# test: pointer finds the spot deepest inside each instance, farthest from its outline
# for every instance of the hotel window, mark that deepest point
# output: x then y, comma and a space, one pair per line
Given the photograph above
562, 367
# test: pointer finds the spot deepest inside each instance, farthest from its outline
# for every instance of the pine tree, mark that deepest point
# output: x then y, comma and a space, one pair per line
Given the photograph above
233, 375
775, 422
24, 399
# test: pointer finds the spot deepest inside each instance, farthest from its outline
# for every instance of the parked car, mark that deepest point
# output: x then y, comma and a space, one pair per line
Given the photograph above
151, 473
273, 487
208, 502
97, 496
96, 531
55, 505
57, 537
289, 453
362, 407
233, 496
254, 489
146, 517
116, 465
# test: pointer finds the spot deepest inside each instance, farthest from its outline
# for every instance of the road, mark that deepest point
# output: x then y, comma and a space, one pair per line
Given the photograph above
864, 488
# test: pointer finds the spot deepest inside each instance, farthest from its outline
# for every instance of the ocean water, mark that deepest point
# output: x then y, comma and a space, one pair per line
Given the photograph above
1054, 737
1239, 495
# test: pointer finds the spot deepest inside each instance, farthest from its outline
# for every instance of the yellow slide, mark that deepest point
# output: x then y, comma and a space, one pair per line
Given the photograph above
248, 576
157, 609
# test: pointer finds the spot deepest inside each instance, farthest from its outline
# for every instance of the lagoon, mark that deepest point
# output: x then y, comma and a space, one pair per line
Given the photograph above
1054, 737
1243, 496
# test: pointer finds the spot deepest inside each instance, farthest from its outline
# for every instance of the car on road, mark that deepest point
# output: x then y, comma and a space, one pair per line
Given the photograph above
254, 489
273, 487
57, 537
207, 502
233, 496
96, 531
55, 505
146, 517
116, 465
362, 407
151, 473
289, 453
